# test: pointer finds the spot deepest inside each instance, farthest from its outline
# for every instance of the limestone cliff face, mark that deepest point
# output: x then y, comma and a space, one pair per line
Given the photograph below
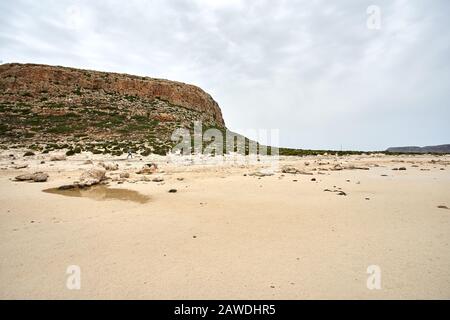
48, 103
31, 79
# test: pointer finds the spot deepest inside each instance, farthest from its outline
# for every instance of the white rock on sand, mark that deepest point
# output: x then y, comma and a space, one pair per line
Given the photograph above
58, 157
93, 176
36, 177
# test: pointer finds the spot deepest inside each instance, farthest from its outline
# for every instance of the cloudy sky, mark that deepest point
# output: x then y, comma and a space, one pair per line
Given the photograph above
326, 73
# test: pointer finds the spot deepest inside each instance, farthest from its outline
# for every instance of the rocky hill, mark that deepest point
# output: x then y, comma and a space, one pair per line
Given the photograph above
444, 148
57, 107
47, 108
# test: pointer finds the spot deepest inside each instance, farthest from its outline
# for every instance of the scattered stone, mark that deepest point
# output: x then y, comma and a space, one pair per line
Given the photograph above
313, 179
28, 154
294, 170
158, 179
24, 177
42, 162
88, 162
109, 166
353, 167
289, 169
337, 191
58, 157
36, 177
402, 168
337, 167
124, 175
260, 174
23, 166
145, 179
173, 190
367, 198
148, 168
443, 207
181, 179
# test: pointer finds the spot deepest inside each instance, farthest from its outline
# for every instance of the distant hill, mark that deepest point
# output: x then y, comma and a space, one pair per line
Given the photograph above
443, 148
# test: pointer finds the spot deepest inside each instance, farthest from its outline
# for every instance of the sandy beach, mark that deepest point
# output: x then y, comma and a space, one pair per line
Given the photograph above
225, 233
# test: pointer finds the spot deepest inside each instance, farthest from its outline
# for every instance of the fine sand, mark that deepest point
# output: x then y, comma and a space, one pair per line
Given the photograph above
226, 234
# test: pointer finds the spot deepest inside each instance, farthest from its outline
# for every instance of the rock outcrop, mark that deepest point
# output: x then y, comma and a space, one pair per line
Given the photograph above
92, 176
49, 103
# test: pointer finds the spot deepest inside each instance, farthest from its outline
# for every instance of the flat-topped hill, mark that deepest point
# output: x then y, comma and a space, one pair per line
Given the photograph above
54, 104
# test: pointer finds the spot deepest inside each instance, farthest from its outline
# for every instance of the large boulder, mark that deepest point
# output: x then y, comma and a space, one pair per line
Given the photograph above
93, 176
36, 177
40, 177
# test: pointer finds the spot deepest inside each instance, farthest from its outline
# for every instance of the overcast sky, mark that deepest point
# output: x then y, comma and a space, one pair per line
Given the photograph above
313, 69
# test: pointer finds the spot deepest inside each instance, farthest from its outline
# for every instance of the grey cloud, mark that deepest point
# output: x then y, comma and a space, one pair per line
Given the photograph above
310, 68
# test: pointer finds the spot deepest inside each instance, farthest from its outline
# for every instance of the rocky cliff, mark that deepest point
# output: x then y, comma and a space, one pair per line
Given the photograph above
59, 104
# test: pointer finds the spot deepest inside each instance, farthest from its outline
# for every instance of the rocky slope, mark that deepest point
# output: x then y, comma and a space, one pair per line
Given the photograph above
97, 111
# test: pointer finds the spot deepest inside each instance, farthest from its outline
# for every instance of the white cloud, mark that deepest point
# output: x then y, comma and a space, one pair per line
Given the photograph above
311, 68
